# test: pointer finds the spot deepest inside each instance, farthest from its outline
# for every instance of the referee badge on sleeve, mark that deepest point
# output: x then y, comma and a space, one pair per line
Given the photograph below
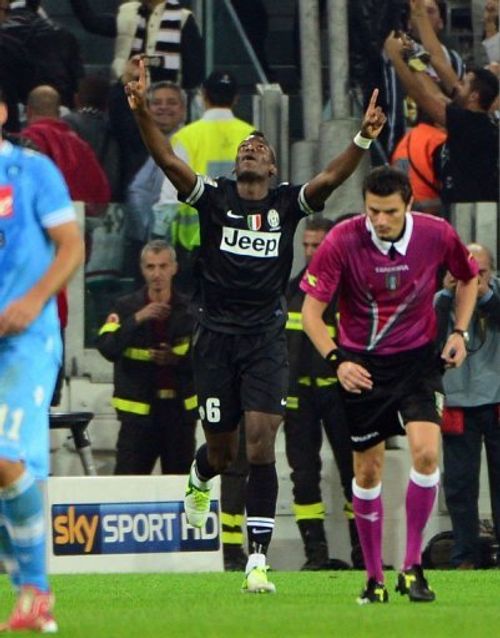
311, 279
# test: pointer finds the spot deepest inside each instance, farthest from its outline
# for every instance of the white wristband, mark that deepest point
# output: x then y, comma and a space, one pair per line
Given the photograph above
362, 142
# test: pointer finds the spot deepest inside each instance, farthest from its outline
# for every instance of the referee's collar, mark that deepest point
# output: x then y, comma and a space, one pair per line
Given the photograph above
385, 246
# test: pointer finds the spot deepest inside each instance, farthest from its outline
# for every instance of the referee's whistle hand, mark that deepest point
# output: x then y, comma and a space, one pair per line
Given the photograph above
354, 377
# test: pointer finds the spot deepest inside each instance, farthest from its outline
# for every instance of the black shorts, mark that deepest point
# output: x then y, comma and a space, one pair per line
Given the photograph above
236, 373
407, 387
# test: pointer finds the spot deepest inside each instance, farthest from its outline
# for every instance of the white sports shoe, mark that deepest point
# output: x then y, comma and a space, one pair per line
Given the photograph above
196, 505
256, 582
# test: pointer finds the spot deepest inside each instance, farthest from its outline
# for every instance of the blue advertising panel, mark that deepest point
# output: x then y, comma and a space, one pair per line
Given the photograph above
130, 528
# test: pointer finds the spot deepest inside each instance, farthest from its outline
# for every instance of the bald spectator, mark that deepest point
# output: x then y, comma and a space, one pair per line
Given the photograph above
84, 176
472, 412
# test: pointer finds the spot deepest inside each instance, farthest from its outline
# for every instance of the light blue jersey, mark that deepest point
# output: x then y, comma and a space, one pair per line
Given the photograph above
33, 198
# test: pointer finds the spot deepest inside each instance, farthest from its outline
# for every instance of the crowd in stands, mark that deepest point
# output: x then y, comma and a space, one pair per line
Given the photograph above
442, 131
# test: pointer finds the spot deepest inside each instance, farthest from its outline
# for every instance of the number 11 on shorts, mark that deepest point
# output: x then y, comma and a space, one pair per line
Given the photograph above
16, 418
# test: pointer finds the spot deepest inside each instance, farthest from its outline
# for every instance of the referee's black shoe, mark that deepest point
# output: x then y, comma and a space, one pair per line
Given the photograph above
413, 582
373, 593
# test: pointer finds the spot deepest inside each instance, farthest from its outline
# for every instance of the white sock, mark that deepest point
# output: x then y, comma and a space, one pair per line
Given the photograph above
255, 560
196, 481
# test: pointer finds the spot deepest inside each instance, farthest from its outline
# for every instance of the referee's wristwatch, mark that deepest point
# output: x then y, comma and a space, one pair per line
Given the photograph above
463, 333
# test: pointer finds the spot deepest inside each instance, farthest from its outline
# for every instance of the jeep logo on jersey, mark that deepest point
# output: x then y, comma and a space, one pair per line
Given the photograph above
254, 221
249, 243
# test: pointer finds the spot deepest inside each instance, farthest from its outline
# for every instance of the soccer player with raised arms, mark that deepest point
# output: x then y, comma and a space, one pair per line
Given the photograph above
239, 349
384, 266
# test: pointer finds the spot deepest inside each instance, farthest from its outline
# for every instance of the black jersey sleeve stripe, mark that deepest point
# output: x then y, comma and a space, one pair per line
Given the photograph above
197, 191
304, 206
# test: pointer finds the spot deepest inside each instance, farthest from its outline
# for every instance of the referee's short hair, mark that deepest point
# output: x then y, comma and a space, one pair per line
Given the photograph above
385, 180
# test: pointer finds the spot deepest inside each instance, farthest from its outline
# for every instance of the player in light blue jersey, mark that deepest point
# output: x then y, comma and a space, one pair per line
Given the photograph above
40, 248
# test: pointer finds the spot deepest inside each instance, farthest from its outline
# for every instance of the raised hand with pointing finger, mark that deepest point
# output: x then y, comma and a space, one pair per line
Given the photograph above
374, 119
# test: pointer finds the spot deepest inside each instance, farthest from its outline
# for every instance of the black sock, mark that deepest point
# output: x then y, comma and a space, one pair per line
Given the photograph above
203, 468
262, 494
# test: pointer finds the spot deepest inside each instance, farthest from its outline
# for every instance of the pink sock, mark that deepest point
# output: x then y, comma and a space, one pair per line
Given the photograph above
420, 497
369, 513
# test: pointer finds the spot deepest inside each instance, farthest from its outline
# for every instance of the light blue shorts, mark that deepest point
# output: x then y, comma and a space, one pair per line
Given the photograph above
28, 372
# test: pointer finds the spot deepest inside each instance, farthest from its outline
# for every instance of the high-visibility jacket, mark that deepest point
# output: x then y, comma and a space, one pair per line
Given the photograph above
126, 343
209, 146
306, 365
415, 155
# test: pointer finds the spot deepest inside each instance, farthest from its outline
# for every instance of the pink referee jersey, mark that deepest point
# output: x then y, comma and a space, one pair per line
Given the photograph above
385, 301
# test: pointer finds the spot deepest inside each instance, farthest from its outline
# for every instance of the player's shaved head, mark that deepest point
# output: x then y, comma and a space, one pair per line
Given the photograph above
262, 138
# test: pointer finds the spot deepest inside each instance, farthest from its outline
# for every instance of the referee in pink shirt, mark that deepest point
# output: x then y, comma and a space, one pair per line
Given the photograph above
384, 267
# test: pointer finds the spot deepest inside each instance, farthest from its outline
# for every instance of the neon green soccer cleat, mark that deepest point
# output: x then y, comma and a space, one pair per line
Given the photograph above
256, 582
196, 505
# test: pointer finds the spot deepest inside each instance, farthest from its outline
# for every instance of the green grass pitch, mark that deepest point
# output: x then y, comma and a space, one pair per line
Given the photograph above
306, 605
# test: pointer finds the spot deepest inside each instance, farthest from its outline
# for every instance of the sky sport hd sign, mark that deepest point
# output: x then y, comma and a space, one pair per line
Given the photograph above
129, 528
128, 524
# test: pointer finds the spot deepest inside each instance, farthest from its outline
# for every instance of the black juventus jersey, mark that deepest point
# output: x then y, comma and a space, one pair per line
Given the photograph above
245, 255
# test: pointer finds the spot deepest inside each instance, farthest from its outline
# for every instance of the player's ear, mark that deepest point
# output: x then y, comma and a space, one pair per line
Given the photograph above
409, 207
3, 113
272, 170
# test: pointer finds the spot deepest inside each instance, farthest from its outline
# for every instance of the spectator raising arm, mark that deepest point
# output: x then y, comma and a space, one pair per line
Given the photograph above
178, 172
430, 41
418, 85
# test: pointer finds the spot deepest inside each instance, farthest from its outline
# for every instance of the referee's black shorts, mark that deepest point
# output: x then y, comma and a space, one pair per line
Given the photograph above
236, 373
407, 387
